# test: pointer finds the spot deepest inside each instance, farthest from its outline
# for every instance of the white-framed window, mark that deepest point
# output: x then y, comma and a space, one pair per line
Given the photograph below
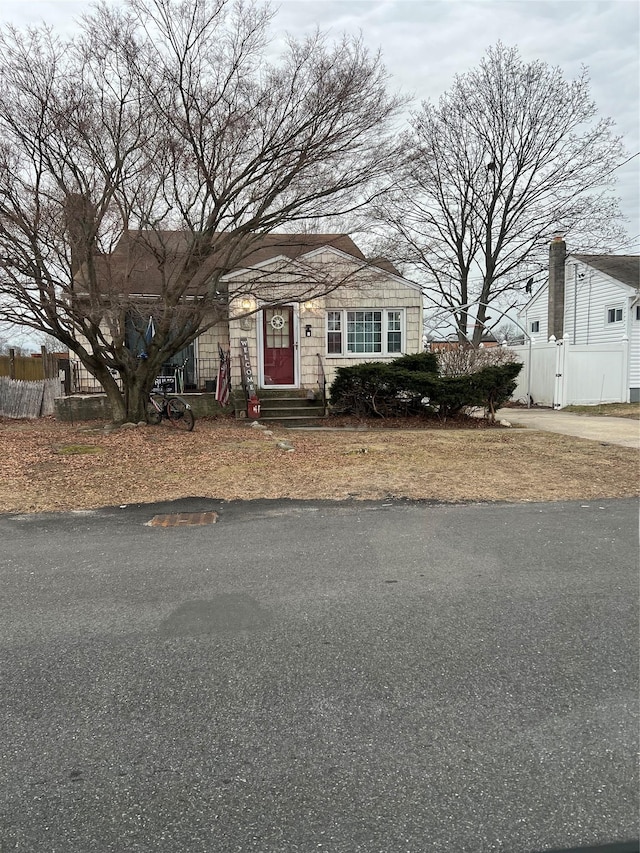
614, 314
637, 312
535, 326
334, 332
365, 331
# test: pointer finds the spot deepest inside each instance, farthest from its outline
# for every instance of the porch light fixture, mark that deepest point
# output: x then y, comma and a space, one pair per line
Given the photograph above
308, 306
246, 304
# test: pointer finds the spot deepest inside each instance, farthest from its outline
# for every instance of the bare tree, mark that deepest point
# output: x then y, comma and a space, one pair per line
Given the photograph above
506, 331
509, 155
6, 347
461, 360
50, 343
161, 135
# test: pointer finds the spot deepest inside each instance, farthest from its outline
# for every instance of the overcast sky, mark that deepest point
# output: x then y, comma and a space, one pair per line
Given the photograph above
426, 42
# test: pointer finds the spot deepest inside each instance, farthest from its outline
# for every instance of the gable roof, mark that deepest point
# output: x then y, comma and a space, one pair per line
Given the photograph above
624, 268
258, 247
134, 266
387, 266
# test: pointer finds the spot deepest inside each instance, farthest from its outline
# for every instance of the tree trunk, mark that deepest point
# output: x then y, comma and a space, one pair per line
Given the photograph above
479, 327
137, 383
137, 397
462, 318
136, 376
116, 401
130, 404
462, 321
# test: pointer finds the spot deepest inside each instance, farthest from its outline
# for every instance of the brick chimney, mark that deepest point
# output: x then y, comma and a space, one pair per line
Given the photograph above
80, 225
557, 257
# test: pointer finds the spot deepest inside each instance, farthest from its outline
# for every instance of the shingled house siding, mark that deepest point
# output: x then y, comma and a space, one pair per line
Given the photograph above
392, 295
207, 354
368, 288
296, 264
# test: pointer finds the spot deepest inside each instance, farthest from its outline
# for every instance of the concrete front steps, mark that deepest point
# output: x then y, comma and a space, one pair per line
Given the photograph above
285, 408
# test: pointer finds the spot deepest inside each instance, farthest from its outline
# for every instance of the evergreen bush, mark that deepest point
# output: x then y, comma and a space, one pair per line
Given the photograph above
413, 385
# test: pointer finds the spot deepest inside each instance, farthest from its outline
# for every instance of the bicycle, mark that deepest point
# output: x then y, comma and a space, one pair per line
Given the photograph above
173, 409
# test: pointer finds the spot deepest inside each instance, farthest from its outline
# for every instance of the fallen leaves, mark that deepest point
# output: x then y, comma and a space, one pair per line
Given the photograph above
228, 460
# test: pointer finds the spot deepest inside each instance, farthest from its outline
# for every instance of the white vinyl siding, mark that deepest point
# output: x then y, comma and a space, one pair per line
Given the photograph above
535, 311
595, 295
599, 313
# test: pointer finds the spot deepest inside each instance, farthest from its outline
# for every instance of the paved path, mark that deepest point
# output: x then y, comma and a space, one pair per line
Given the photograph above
624, 431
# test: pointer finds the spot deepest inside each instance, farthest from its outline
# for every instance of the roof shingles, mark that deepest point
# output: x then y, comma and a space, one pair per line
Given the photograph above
142, 260
624, 268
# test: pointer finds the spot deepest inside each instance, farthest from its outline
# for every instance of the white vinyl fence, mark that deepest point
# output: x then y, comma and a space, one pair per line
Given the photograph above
560, 374
22, 399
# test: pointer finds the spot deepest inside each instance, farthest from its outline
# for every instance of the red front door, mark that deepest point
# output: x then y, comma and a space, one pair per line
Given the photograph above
278, 345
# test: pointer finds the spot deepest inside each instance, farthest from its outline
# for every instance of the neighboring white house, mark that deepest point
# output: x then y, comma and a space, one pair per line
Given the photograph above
533, 317
592, 304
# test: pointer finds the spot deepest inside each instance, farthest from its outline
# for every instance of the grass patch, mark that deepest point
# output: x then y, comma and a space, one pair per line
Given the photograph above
78, 449
612, 410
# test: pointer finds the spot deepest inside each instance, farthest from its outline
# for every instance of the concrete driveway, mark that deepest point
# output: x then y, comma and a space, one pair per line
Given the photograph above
623, 431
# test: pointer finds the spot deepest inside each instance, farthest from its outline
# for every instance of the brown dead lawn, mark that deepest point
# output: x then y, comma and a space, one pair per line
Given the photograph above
611, 410
50, 466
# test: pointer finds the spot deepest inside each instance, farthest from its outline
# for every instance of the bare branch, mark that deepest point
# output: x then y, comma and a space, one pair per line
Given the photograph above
511, 153
160, 141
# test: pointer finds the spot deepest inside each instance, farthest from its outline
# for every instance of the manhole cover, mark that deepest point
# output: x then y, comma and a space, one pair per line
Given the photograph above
183, 519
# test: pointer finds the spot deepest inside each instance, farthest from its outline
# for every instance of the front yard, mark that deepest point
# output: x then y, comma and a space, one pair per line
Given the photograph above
612, 410
47, 465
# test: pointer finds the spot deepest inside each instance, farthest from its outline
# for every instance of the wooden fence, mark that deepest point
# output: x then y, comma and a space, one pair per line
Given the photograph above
21, 399
32, 367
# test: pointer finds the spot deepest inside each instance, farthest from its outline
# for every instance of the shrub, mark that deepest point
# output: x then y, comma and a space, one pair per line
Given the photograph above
373, 389
464, 360
422, 362
412, 385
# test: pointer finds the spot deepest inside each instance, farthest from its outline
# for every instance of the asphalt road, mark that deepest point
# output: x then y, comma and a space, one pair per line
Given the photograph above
385, 678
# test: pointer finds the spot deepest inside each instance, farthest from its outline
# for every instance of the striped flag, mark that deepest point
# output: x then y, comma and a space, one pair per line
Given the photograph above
223, 385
